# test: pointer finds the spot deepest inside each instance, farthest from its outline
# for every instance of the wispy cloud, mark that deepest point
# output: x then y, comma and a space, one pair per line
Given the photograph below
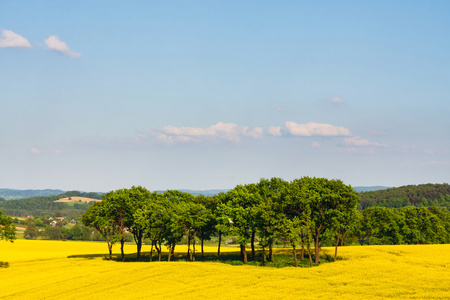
34, 150
438, 151
54, 43
274, 130
357, 141
37, 151
232, 132
337, 100
214, 133
442, 163
10, 39
315, 129
375, 132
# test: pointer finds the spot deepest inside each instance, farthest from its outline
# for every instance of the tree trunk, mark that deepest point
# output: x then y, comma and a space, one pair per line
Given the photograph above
220, 241
244, 254
303, 250
138, 241
193, 248
253, 245
158, 249
122, 242
188, 258
173, 250
110, 251
151, 252
264, 255
317, 249
170, 253
203, 254
335, 250
159, 252
271, 252
310, 256
308, 245
295, 255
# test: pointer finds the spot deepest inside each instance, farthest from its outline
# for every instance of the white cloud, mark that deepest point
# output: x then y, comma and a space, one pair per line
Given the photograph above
54, 43
10, 39
217, 132
356, 141
274, 130
315, 144
255, 133
337, 100
316, 129
35, 150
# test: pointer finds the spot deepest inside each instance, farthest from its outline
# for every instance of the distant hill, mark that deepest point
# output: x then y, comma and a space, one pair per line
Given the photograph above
11, 194
417, 195
199, 192
360, 189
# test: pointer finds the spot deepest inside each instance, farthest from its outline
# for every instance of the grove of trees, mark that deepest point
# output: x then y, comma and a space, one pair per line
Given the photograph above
303, 212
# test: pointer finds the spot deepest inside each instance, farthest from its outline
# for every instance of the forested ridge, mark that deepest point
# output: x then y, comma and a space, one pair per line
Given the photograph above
46, 205
422, 195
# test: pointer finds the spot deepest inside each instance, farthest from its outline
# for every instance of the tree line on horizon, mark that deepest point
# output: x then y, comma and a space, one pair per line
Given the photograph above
306, 212
422, 195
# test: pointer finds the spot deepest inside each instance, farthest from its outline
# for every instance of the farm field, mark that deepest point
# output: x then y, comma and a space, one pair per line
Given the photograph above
72, 270
78, 199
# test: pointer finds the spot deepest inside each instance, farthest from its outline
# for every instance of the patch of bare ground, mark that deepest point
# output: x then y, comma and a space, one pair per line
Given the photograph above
78, 199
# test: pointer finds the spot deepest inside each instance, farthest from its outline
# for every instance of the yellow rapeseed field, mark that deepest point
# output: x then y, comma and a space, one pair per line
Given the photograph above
76, 270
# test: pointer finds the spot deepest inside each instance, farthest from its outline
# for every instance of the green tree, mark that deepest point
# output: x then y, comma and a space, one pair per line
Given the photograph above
137, 197
421, 226
31, 232
7, 228
297, 207
53, 233
117, 208
382, 226
98, 217
192, 217
206, 231
154, 219
237, 215
269, 215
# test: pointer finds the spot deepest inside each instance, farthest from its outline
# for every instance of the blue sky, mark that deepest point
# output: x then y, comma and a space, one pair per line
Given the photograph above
102, 95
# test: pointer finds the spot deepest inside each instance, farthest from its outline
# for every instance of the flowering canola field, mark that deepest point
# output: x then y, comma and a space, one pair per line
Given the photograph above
76, 270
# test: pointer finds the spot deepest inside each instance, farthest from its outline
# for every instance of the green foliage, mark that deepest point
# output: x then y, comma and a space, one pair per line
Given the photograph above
411, 195
7, 228
31, 232
409, 225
